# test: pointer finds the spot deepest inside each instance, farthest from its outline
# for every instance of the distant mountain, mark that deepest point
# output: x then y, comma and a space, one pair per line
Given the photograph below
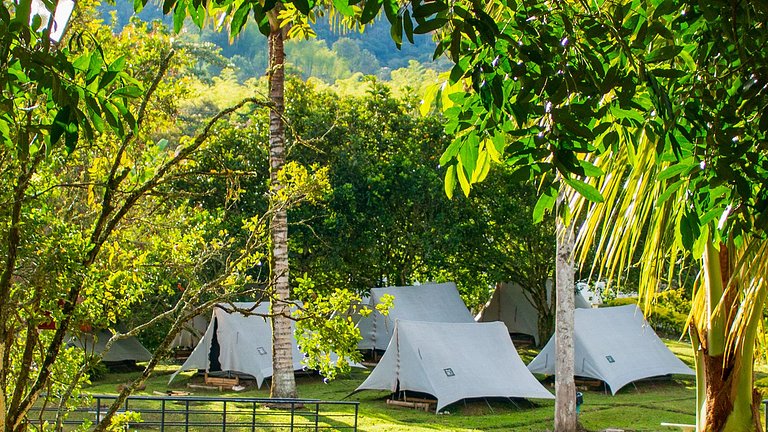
372, 52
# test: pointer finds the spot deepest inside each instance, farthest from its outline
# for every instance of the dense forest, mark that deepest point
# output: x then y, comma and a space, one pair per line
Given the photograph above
334, 54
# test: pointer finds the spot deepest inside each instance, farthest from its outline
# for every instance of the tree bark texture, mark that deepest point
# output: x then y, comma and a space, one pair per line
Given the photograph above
283, 382
726, 399
565, 387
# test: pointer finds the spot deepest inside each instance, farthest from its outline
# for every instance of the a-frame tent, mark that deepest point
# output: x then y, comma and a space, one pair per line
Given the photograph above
510, 305
615, 345
125, 350
453, 361
238, 343
433, 302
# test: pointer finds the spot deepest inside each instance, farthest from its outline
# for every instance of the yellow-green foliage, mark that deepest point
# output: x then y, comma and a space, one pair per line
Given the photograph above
669, 313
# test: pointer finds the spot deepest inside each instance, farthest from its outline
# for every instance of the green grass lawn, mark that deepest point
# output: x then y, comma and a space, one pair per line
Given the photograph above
639, 407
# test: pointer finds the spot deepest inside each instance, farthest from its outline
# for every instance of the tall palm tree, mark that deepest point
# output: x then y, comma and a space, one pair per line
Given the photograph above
283, 382
649, 209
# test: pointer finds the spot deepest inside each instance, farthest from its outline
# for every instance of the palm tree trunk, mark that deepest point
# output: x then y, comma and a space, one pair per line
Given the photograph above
283, 382
726, 400
565, 387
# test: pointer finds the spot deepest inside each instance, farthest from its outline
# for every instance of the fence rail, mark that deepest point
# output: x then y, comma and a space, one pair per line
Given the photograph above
198, 413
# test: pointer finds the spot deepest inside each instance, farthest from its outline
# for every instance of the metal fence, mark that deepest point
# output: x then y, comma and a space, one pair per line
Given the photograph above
192, 413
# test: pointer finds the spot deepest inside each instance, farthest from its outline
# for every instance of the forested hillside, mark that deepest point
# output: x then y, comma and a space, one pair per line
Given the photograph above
331, 56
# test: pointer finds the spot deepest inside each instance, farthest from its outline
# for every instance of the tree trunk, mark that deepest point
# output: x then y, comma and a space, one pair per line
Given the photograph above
283, 382
565, 387
725, 396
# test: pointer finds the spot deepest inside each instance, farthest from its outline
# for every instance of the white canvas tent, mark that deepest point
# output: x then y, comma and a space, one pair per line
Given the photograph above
429, 302
123, 350
453, 361
191, 333
615, 345
238, 343
510, 305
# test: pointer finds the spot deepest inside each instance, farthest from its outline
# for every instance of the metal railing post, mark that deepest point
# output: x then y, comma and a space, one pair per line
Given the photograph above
253, 417
317, 415
357, 407
224, 418
162, 415
186, 415
293, 409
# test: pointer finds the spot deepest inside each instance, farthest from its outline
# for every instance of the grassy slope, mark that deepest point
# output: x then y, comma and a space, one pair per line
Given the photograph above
639, 408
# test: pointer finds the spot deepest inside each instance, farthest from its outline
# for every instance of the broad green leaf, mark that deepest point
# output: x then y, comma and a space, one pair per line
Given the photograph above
59, 125
390, 10
430, 26
343, 7
628, 114
469, 152
664, 53
130, 91
117, 65
94, 66
370, 10
408, 26
450, 181
673, 170
591, 170
669, 191
546, 202
423, 10
463, 181
430, 96
586, 190
303, 6
451, 151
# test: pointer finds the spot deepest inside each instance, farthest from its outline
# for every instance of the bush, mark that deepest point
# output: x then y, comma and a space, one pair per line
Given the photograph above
668, 315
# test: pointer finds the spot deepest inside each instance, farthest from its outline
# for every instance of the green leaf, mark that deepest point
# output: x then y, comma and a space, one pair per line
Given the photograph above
370, 10
396, 32
70, 140
94, 66
179, 14
429, 26
117, 65
408, 26
463, 181
239, 18
304, 6
451, 151
468, 153
343, 7
168, 5
450, 181
689, 229
545, 203
423, 10
673, 170
591, 170
23, 9
664, 53
669, 191
390, 10
627, 114
586, 190
59, 125
129, 91
107, 79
